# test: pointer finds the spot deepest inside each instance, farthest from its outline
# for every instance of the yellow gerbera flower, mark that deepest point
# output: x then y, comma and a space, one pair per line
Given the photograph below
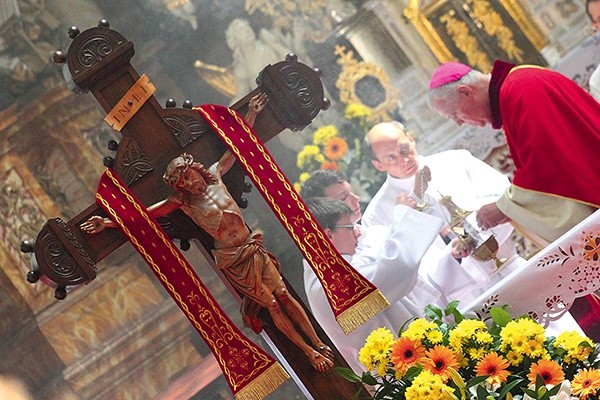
440, 359
586, 383
550, 371
494, 366
336, 148
406, 353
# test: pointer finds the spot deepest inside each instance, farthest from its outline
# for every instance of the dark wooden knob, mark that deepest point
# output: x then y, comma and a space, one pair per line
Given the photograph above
103, 23
243, 203
108, 162
26, 246
112, 145
170, 103
73, 32
33, 276
60, 293
58, 57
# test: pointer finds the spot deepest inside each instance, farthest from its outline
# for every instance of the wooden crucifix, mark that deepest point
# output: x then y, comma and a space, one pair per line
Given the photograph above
98, 61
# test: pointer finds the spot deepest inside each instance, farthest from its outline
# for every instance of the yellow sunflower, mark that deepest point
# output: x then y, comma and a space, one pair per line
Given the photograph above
494, 367
440, 359
586, 383
407, 353
336, 148
550, 371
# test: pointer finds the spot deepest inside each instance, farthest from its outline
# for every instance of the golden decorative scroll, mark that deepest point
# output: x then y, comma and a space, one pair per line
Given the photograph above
467, 43
487, 16
526, 25
427, 32
494, 26
352, 72
130, 103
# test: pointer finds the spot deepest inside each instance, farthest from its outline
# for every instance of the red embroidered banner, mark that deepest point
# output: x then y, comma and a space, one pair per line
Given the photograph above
353, 299
250, 372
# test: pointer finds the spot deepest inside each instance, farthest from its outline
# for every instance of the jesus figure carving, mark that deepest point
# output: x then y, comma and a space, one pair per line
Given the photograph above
201, 194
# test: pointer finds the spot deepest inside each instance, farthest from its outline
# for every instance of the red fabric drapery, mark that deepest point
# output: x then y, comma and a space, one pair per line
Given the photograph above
353, 299
250, 372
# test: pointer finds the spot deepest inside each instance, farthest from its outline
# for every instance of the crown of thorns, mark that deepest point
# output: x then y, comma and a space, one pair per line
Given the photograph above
177, 168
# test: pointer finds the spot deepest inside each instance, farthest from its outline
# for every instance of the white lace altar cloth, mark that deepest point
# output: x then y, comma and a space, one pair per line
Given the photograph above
546, 285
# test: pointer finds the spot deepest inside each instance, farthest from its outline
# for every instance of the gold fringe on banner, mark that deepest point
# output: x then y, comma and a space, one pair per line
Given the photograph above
362, 311
264, 384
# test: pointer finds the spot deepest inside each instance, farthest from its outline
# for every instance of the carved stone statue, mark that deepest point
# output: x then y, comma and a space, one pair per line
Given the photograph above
240, 254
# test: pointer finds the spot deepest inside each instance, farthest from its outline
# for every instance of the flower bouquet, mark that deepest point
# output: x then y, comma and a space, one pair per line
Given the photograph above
467, 359
339, 149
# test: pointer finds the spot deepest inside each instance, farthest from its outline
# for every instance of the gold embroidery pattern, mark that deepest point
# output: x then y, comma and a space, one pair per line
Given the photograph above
217, 339
323, 245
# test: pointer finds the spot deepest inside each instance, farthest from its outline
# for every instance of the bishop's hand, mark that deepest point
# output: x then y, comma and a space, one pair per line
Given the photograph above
488, 216
95, 224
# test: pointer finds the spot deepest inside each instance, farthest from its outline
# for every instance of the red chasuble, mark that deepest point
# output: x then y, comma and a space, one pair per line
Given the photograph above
552, 128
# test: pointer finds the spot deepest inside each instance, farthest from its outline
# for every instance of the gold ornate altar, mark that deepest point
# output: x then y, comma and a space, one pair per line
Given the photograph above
476, 32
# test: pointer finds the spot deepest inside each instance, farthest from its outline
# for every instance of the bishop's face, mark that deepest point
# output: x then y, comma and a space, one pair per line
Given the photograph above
192, 182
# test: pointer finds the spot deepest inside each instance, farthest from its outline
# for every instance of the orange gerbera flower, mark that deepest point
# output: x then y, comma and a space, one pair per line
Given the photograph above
330, 165
336, 148
586, 383
549, 370
440, 359
494, 366
406, 353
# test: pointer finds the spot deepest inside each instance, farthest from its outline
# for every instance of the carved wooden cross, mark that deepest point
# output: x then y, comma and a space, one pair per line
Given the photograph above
98, 60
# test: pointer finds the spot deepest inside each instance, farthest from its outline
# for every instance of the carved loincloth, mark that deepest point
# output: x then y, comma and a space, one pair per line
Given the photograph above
251, 269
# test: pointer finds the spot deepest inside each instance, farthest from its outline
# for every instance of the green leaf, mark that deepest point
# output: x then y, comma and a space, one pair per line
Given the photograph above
434, 312
476, 380
348, 374
369, 379
451, 307
500, 316
510, 386
482, 394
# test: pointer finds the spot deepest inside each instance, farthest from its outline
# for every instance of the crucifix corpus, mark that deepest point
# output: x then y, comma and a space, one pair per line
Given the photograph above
166, 149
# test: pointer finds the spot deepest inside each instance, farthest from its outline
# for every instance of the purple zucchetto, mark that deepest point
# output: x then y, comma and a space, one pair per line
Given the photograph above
448, 72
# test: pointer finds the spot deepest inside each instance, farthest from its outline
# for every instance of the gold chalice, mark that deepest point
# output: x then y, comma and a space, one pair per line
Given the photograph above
488, 250
482, 250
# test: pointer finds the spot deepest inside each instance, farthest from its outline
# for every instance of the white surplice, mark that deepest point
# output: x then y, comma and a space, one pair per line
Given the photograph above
471, 183
389, 258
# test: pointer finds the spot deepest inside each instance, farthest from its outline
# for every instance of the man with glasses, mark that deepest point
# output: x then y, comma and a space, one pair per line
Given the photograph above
393, 267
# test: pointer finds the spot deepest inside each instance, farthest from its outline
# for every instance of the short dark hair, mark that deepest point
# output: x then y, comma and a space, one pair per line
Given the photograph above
320, 180
327, 211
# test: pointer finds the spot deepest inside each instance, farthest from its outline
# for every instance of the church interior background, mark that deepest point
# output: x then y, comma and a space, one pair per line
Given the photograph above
121, 336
